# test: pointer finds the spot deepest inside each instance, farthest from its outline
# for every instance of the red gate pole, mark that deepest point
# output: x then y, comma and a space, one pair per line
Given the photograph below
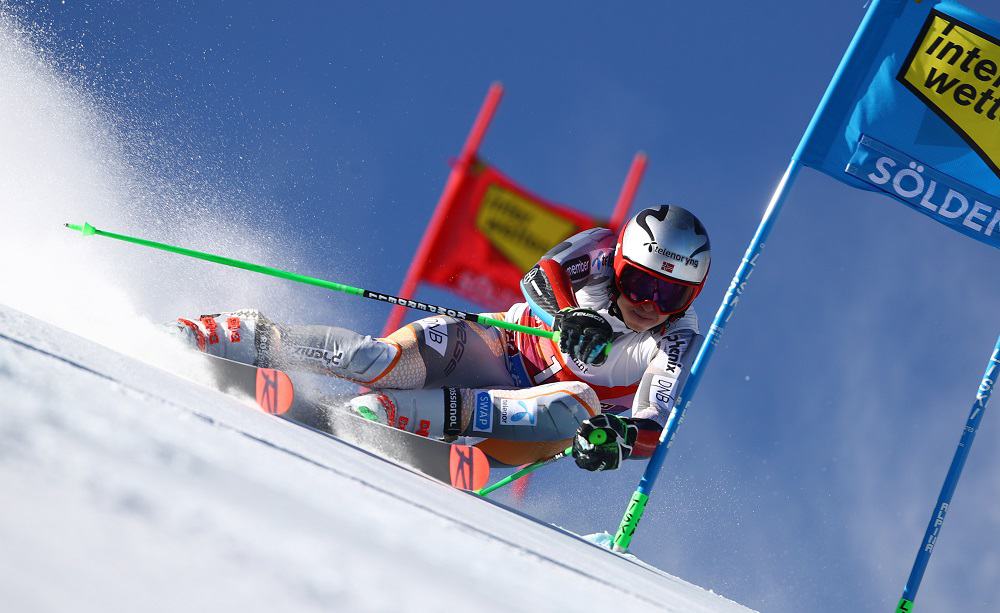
455, 180
627, 194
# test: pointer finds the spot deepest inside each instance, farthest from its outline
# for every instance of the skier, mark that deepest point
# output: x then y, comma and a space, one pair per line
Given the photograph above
627, 338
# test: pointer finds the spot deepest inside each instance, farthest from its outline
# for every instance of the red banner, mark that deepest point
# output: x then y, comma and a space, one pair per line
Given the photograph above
495, 232
486, 231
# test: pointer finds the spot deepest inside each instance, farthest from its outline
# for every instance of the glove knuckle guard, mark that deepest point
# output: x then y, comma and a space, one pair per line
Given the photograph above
607, 456
583, 334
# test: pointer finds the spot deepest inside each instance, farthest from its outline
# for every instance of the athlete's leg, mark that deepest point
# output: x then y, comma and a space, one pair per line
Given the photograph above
460, 364
550, 412
431, 352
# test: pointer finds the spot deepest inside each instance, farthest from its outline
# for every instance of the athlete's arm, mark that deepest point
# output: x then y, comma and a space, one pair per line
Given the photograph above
574, 263
660, 386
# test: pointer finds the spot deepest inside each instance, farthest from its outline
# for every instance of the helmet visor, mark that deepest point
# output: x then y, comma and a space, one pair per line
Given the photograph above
669, 297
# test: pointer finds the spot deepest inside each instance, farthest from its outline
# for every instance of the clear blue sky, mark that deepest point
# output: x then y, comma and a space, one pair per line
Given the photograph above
805, 473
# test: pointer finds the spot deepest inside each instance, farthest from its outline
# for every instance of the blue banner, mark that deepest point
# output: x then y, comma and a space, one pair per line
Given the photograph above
919, 86
951, 202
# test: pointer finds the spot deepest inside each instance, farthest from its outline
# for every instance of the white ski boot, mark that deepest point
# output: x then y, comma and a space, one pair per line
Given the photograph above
242, 336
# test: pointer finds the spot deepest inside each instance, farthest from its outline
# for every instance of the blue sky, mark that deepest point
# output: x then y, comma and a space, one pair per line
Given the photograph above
805, 473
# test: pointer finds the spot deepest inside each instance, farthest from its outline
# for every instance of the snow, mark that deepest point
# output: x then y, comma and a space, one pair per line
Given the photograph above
128, 488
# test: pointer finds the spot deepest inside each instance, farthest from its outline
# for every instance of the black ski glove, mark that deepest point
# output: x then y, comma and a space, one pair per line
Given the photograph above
603, 441
583, 334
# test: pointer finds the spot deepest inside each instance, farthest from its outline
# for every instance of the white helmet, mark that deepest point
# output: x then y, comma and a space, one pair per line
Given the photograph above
663, 256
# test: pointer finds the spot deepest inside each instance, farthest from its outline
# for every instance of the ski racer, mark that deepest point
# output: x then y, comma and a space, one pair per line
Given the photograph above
627, 338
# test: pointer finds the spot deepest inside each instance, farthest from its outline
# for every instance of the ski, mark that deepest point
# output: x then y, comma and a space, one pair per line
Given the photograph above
462, 466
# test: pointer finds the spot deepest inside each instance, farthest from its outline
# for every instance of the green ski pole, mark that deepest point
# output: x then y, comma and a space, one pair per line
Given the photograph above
597, 437
524, 471
88, 230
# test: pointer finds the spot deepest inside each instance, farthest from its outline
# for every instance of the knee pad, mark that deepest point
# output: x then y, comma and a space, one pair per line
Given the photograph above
547, 412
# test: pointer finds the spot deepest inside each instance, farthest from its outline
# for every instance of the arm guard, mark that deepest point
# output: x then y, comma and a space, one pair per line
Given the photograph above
582, 259
647, 439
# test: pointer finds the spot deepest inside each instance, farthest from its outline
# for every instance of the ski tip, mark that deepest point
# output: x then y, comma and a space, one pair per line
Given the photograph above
275, 392
470, 468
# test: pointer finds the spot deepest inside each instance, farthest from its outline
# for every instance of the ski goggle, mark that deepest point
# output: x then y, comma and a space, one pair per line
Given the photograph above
667, 296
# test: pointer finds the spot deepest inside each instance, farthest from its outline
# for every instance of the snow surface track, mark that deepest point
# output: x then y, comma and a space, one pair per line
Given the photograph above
127, 488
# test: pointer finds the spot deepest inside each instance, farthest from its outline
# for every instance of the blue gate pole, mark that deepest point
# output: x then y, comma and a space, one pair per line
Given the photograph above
870, 32
951, 482
637, 505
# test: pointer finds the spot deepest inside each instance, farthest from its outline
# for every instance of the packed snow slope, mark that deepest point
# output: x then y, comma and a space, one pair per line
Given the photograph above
128, 488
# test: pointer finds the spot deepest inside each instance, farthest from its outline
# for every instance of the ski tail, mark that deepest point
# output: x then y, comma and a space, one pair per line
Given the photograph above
469, 467
274, 391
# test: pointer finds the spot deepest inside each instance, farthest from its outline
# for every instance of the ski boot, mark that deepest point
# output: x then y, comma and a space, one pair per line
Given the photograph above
242, 336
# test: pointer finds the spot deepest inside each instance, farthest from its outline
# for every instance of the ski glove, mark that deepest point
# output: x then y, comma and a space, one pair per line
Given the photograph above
603, 441
583, 334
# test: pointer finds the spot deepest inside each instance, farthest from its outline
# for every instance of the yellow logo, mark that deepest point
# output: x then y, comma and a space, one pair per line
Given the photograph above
955, 69
521, 229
